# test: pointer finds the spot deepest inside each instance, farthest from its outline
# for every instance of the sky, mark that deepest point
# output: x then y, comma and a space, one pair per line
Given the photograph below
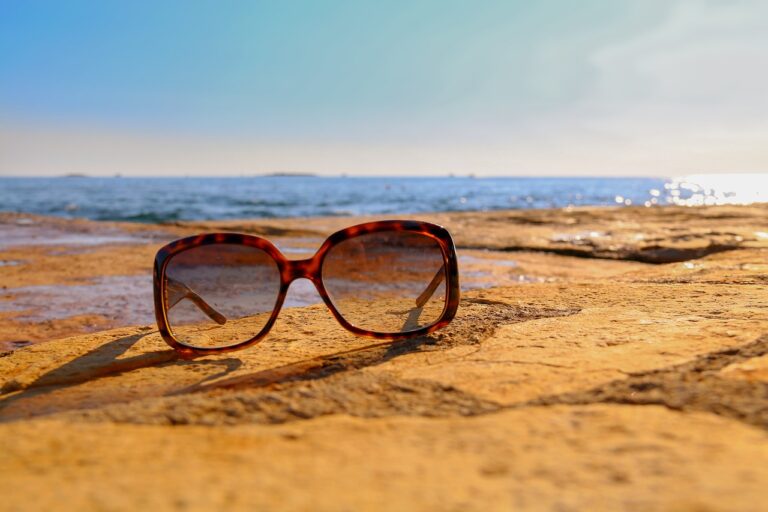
503, 88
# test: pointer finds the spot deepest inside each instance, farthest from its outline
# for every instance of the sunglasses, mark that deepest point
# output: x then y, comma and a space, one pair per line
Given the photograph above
388, 280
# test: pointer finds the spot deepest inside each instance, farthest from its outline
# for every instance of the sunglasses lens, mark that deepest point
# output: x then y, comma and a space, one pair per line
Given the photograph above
387, 282
219, 295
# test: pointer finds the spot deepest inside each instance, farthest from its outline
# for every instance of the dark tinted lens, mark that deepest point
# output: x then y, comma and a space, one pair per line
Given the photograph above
387, 282
220, 295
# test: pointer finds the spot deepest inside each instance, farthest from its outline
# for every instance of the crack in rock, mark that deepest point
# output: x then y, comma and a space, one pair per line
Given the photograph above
692, 386
654, 254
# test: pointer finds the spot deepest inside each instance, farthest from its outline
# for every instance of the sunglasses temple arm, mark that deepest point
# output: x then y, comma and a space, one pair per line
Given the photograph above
179, 291
431, 287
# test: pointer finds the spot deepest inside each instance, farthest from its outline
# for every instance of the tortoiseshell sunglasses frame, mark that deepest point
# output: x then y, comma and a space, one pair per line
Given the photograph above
310, 268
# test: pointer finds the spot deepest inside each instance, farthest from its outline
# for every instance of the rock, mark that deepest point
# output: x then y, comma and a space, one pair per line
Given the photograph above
633, 386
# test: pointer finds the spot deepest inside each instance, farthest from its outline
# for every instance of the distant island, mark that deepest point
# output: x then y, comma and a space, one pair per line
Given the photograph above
290, 175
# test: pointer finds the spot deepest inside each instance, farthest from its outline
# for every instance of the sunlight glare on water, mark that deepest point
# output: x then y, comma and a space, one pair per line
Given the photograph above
715, 189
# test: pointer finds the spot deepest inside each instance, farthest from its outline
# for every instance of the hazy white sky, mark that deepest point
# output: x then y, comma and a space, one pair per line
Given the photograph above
645, 87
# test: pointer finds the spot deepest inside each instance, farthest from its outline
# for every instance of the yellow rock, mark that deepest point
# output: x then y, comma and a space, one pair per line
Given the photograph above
609, 385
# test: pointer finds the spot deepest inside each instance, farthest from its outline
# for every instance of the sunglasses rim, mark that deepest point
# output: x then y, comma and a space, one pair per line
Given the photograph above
310, 268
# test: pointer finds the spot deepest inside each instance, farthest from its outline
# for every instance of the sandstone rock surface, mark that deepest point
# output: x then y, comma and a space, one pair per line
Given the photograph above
606, 383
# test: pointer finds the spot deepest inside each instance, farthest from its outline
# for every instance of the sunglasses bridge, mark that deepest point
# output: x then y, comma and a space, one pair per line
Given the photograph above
297, 269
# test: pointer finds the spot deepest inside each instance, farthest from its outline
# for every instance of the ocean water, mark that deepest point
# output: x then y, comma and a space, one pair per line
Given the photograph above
168, 199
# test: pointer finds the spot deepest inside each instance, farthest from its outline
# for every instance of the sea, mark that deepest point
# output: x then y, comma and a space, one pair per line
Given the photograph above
194, 198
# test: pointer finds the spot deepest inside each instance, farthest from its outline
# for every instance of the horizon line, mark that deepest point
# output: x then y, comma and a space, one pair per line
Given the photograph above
390, 176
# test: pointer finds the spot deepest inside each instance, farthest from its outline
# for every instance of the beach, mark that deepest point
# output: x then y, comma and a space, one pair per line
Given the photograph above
602, 358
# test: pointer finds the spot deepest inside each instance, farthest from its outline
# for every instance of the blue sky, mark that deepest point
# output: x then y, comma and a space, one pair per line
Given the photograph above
424, 87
